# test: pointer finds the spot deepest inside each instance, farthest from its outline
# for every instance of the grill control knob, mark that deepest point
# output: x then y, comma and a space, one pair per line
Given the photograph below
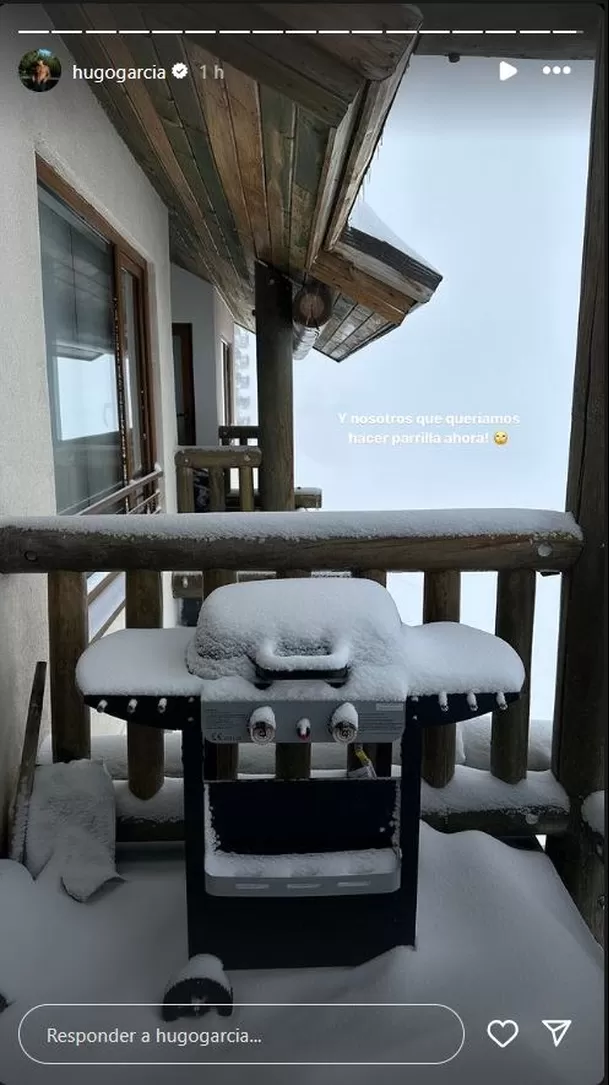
262, 726
344, 724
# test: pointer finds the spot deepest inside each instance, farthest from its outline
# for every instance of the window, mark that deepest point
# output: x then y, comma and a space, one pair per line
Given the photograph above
228, 384
94, 294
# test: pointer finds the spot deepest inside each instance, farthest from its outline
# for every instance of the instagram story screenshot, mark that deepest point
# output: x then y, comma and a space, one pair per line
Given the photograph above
303, 582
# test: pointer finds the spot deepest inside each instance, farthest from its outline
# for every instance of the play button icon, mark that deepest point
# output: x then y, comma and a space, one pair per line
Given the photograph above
506, 71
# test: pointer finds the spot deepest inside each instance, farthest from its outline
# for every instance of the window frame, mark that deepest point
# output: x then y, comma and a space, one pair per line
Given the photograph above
124, 258
228, 382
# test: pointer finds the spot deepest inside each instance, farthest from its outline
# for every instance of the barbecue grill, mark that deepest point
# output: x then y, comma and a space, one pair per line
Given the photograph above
297, 873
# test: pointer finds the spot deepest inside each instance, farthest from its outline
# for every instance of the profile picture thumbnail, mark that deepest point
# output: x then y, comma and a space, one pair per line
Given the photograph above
39, 70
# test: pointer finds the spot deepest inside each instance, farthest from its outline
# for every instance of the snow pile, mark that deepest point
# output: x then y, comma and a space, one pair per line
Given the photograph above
593, 812
138, 662
71, 827
339, 620
454, 658
498, 937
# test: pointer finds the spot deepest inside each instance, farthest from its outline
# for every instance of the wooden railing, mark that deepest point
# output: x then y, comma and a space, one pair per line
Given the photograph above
516, 545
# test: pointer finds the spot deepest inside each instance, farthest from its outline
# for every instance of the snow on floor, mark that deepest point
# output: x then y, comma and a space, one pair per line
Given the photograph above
498, 938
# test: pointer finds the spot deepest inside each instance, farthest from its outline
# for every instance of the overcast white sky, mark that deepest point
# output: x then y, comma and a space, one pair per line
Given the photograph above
485, 180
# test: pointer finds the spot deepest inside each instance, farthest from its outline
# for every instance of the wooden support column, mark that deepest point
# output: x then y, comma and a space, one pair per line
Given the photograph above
441, 603
68, 638
380, 753
514, 624
145, 745
276, 436
275, 394
580, 720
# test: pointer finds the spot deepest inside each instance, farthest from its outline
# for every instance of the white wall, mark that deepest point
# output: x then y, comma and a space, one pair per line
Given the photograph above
68, 128
195, 301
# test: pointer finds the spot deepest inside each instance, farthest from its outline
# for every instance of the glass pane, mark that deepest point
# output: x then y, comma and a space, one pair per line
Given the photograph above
133, 388
77, 283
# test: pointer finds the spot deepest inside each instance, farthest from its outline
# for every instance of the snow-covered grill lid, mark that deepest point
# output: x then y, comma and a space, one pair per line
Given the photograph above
323, 626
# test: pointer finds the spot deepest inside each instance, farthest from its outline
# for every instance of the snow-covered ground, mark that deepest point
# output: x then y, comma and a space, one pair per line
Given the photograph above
498, 938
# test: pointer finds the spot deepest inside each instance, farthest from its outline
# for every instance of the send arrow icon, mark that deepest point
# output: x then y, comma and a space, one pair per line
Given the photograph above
558, 1029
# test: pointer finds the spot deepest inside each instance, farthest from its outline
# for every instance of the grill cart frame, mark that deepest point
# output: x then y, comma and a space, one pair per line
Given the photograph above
293, 921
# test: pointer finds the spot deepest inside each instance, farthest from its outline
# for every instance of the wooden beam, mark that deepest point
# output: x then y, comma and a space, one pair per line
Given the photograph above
528, 822
375, 57
396, 541
278, 117
68, 638
275, 388
223, 456
514, 624
27, 768
276, 435
580, 723
441, 603
373, 110
515, 16
299, 70
336, 270
145, 745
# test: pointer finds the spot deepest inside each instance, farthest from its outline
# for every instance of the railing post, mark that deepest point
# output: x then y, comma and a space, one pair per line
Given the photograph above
441, 603
580, 718
145, 745
380, 753
185, 487
68, 638
514, 624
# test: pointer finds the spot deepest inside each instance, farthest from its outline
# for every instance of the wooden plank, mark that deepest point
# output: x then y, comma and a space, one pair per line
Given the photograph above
580, 720
68, 638
244, 114
441, 603
203, 456
115, 49
529, 822
373, 57
214, 101
189, 101
278, 117
369, 329
358, 315
145, 745
275, 388
337, 149
514, 624
311, 143
185, 488
32, 545
388, 263
335, 270
25, 777
518, 16
341, 308
380, 753
300, 71
247, 501
372, 114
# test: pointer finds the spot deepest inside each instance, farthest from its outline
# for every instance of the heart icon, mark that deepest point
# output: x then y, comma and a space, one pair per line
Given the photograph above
502, 1032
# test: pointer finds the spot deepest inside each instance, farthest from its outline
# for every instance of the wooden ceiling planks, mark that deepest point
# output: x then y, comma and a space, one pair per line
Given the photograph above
495, 17
373, 57
264, 162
